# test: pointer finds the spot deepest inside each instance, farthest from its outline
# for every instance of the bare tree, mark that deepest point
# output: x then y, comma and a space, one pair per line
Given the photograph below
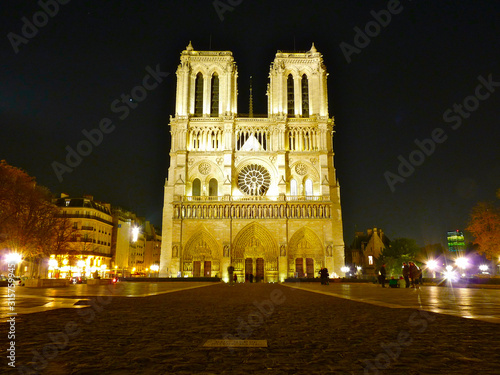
30, 224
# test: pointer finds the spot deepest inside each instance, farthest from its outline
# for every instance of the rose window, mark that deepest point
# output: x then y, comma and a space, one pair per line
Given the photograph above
204, 168
301, 169
254, 180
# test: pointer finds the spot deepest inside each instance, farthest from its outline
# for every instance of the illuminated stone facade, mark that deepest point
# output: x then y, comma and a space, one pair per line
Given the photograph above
89, 248
259, 193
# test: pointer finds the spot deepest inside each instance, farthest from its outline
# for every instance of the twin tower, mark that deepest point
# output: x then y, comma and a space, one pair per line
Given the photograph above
256, 192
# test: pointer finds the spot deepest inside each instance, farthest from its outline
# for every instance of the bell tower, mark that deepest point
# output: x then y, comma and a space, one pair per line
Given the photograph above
206, 84
297, 85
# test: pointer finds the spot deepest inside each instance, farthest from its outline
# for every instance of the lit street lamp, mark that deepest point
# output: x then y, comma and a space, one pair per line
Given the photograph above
345, 269
155, 268
13, 259
432, 265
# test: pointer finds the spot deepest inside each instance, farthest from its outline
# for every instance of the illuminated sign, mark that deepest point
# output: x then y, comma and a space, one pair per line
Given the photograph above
456, 241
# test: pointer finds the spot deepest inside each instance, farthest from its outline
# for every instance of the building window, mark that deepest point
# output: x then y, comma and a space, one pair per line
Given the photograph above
198, 95
196, 187
290, 95
305, 96
293, 187
214, 103
309, 187
370, 260
212, 188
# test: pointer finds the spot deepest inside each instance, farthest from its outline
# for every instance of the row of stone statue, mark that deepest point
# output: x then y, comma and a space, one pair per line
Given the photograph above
253, 211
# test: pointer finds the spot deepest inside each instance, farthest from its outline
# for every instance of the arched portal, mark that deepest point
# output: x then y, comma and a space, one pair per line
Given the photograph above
306, 255
201, 257
255, 252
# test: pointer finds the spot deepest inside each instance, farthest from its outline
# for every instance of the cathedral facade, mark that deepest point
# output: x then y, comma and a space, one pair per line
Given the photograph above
258, 193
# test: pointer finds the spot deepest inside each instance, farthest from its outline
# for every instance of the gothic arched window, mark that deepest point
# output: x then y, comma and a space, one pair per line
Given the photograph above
290, 95
198, 95
196, 187
305, 96
214, 100
212, 188
309, 187
293, 187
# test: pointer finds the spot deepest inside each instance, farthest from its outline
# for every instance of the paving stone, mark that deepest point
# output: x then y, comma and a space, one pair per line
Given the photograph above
308, 333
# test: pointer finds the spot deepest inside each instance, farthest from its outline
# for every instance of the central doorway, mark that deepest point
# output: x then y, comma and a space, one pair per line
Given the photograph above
207, 268
248, 268
259, 271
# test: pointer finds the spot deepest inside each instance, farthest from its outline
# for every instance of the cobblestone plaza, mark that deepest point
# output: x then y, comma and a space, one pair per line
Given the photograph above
394, 331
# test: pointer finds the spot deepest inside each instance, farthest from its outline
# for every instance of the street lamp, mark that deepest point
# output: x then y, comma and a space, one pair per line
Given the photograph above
484, 268
13, 259
53, 266
345, 270
155, 268
432, 265
462, 263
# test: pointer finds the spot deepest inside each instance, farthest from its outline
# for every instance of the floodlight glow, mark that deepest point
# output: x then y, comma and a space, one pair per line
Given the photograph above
13, 258
53, 263
358, 268
103, 267
462, 262
65, 261
432, 265
155, 267
483, 267
450, 275
135, 234
81, 264
449, 268
344, 269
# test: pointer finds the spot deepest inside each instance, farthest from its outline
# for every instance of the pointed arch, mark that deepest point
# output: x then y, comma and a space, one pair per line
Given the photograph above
198, 95
254, 237
308, 186
305, 96
290, 93
196, 189
202, 245
306, 244
214, 95
213, 187
293, 187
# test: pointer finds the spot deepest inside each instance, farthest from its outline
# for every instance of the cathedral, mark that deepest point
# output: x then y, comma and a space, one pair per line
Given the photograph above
258, 193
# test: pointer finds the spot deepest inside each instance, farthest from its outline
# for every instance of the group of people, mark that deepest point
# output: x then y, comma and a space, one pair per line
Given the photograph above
412, 275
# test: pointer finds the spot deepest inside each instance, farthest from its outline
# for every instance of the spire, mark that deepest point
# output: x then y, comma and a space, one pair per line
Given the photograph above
250, 107
189, 47
313, 49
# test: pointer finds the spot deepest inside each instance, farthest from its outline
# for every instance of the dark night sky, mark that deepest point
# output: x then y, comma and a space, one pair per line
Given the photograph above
394, 91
